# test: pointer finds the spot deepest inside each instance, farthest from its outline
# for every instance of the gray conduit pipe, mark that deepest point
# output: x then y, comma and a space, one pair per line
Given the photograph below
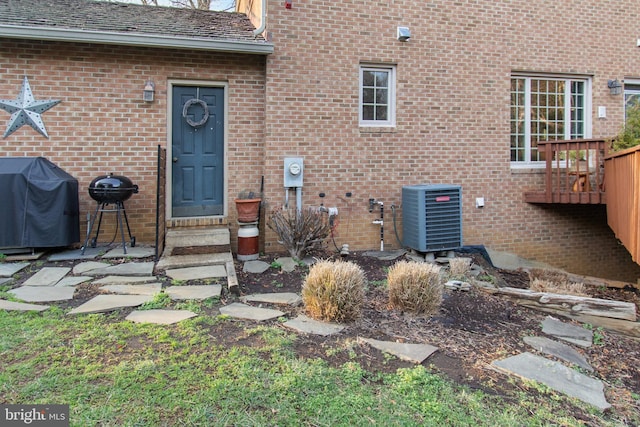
372, 203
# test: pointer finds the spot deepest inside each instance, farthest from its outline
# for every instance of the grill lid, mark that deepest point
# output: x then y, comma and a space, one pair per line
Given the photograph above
111, 188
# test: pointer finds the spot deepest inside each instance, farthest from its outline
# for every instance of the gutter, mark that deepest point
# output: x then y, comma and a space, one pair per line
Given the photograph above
128, 39
263, 20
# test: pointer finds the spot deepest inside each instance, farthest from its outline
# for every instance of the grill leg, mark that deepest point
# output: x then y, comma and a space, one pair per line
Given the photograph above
93, 221
95, 239
126, 220
119, 207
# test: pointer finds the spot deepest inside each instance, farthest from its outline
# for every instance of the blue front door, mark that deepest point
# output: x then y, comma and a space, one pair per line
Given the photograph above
197, 151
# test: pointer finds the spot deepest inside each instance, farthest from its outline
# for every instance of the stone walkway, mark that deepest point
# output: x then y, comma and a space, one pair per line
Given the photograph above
132, 284
556, 375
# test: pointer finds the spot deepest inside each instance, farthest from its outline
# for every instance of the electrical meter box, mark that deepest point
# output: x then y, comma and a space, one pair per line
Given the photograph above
293, 171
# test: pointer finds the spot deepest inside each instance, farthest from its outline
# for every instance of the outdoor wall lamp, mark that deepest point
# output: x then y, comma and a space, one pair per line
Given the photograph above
615, 87
149, 91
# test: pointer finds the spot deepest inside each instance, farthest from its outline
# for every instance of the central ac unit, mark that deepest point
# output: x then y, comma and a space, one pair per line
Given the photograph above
432, 217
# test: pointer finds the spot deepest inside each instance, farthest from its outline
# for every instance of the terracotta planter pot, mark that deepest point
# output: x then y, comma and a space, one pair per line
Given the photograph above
248, 209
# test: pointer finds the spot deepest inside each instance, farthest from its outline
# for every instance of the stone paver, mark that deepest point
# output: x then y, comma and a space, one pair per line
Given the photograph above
193, 292
283, 298
160, 317
124, 280
73, 280
243, 311
457, 285
560, 350
75, 254
193, 260
28, 256
309, 261
571, 333
83, 267
196, 273
556, 376
308, 325
47, 276
144, 289
8, 269
102, 303
415, 353
385, 255
126, 269
415, 258
21, 306
43, 293
256, 267
136, 252
287, 264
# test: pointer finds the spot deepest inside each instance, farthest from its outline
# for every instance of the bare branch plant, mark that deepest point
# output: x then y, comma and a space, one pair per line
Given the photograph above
299, 231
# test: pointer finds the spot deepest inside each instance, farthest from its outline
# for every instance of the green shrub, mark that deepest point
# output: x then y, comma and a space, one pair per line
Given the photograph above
334, 291
415, 287
630, 134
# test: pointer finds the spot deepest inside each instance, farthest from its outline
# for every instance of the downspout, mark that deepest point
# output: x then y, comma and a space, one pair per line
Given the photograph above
263, 20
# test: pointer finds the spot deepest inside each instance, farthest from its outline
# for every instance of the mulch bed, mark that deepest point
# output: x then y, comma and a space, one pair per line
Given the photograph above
471, 330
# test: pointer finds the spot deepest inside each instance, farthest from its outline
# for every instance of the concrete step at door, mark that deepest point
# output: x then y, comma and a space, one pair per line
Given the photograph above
216, 239
192, 247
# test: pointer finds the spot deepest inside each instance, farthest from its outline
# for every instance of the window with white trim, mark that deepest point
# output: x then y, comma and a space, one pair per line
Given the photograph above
631, 96
377, 95
546, 108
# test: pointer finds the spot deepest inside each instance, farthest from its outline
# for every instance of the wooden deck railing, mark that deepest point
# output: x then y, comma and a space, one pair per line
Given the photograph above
622, 169
574, 172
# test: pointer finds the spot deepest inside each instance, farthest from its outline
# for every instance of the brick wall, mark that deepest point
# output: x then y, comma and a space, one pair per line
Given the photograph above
452, 114
102, 125
453, 100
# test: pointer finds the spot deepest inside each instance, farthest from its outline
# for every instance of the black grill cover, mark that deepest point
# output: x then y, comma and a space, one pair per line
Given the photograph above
39, 206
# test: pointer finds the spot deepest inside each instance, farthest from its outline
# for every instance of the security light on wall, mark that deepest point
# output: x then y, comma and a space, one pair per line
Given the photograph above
615, 87
404, 34
149, 91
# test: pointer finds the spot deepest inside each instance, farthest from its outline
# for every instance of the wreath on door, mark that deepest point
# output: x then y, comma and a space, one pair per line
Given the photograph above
205, 114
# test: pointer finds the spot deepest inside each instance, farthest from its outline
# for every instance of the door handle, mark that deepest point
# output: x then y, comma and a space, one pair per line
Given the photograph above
175, 160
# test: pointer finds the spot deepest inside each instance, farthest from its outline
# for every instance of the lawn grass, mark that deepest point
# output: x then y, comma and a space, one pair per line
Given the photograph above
118, 373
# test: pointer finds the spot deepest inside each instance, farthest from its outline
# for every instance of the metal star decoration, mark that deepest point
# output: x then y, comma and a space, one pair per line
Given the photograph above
25, 110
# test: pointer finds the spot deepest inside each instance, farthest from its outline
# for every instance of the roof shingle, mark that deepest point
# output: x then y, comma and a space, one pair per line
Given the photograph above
126, 18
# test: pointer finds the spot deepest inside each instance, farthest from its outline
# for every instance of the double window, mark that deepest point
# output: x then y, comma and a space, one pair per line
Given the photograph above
546, 108
377, 96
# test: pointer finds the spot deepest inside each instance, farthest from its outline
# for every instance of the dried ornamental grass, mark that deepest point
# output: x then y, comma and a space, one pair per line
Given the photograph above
415, 287
564, 288
459, 267
553, 276
334, 291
